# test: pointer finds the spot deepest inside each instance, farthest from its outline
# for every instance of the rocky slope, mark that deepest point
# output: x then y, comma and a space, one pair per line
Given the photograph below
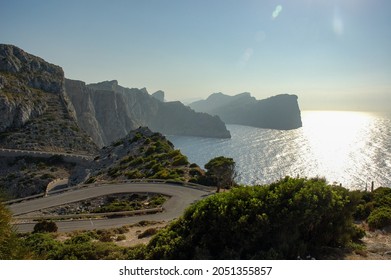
36, 112
277, 112
140, 154
108, 111
25, 176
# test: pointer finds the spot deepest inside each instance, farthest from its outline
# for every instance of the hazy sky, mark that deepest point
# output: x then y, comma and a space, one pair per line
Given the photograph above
334, 54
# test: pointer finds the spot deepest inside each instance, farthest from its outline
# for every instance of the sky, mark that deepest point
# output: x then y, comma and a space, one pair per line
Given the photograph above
333, 54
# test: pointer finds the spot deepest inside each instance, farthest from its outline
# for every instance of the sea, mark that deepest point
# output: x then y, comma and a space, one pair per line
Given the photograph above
348, 148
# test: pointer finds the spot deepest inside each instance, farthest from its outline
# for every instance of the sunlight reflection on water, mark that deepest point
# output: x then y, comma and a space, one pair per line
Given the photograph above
351, 148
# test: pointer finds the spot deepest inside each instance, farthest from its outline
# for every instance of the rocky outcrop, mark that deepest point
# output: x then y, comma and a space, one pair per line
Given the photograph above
141, 154
276, 112
159, 95
108, 111
35, 109
33, 71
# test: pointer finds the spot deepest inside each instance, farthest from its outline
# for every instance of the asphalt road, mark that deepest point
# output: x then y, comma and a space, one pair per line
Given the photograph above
181, 198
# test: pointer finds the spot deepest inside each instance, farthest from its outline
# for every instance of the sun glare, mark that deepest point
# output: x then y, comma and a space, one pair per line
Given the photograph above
334, 150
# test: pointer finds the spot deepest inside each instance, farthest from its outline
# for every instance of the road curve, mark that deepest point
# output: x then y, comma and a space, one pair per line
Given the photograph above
181, 198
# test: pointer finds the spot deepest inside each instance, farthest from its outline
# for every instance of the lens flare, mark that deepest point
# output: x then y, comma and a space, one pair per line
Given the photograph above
338, 25
277, 11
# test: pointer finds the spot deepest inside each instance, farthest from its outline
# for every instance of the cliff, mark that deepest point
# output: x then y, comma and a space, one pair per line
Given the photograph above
276, 112
108, 111
35, 111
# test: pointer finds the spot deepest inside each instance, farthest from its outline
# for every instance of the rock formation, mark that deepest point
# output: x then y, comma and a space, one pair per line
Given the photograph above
108, 111
276, 112
159, 95
35, 111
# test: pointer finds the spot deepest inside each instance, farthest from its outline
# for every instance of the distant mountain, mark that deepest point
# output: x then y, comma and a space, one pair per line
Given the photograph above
35, 111
276, 112
108, 111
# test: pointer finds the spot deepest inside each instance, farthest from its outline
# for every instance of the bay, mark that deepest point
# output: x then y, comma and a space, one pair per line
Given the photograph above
348, 148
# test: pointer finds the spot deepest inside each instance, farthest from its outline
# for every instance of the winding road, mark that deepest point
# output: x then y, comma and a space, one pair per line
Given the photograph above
180, 198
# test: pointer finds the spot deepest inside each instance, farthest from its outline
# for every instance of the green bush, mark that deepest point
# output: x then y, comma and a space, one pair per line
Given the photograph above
180, 160
151, 149
134, 174
380, 218
158, 200
42, 245
137, 137
374, 207
45, 226
120, 237
290, 218
9, 243
147, 233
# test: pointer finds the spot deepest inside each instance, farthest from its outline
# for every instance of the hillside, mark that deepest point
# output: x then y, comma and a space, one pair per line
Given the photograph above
276, 112
36, 112
108, 111
140, 154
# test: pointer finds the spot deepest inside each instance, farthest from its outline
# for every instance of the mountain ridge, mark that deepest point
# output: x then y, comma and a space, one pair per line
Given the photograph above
108, 111
276, 112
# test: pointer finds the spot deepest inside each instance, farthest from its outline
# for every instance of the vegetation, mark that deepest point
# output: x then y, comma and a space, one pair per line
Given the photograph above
51, 127
143, 154
130, 203
10, 245
220, 172
290, 218
25, 176
374, 208
283, 220
45, 226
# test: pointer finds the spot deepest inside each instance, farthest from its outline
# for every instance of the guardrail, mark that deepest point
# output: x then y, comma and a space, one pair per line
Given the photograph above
90, 215
55, 183
133, 181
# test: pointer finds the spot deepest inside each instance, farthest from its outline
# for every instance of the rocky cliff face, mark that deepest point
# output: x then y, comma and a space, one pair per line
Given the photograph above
36, 112
277, 112
159, 95
108, 112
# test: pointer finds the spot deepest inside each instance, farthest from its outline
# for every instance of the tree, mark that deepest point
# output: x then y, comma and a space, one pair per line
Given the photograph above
221, 172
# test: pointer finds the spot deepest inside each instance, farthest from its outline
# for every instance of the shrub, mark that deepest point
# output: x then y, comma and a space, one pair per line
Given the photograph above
180, 160
134, 174
42, 245
121, 237
9, 244
118, 143
290, 218
380, 218
151, 149
147, 233
157, 201
90, 180
78, 239
45, 226
137, 137
114, 171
